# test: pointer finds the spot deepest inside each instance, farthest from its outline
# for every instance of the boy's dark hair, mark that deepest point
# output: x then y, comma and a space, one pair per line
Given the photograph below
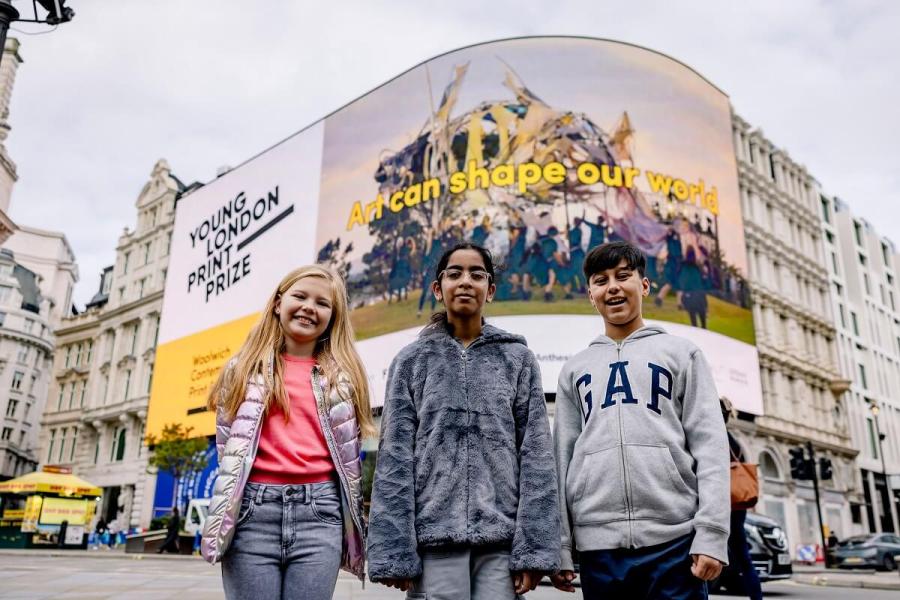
609, 255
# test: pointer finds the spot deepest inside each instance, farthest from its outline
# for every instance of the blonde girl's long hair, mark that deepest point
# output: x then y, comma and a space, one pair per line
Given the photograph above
334, 352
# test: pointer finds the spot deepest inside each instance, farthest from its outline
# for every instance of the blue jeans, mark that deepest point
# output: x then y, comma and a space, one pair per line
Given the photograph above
661, 572
464, 574
739, 555
287, 543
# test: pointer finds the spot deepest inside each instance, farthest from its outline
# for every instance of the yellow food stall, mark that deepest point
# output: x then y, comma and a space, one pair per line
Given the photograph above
50, 507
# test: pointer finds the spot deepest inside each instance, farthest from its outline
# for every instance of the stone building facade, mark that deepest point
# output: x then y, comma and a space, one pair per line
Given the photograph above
26, 350
103, 364
795, 333
863, 268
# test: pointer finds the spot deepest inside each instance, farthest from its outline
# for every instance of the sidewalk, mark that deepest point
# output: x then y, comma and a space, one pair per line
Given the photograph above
99, 553
856, 578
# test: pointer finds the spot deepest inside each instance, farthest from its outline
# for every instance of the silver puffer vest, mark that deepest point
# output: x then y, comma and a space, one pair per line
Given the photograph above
237, 442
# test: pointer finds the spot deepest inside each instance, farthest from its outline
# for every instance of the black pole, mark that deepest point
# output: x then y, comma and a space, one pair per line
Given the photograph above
8, 14
815, 480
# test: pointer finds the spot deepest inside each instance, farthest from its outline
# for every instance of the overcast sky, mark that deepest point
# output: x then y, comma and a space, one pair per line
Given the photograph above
208, 83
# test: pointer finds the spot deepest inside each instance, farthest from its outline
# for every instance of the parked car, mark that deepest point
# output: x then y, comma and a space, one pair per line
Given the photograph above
878, 550
768, 550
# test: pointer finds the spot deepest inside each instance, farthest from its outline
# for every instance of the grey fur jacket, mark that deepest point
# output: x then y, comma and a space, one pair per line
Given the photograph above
465, 457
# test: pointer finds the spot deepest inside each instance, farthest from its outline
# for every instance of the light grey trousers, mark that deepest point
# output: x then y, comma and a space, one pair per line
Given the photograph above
467, 574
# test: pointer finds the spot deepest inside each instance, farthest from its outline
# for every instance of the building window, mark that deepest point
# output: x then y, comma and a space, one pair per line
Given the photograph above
834, 263
97, 449
2, 318
78, 355
72, 447
11, 408
885, 254
866, 284
71, 394
29, 326
90, 351
83, 390
52, 443
147, 253
7, 433
862, 376
118, 447
149, 378
105, 389
62, 444
854, 322
68, 356
22, 356
125, 259
62, 393
5, 293
857, 233
127, 383
18, 376
873, 439
843, 317
134, 337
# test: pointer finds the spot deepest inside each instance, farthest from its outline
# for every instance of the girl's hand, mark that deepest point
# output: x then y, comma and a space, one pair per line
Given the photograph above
525, 581
399, 583
563, 581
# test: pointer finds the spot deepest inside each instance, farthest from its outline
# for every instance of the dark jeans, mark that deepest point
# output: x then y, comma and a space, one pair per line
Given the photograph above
739, 556
287, 543
661, 572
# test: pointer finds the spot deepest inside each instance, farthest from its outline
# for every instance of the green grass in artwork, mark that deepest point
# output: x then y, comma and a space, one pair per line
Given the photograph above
381, 318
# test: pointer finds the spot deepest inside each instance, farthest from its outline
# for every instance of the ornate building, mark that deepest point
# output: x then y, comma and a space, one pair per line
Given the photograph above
103, 364
8, 67
863, 270
795, 334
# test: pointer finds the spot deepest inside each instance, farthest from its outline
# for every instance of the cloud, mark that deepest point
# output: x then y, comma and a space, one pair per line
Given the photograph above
208, 83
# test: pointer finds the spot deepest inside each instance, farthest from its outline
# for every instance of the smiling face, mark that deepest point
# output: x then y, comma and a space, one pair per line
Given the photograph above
617, 294
464, 285
304, 311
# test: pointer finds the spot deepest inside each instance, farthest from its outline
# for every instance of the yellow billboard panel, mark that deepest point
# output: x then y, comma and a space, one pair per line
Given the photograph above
188, 367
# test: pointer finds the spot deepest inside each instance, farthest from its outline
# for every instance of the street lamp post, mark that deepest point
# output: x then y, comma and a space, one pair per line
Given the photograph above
873, 408
57, 12
8, 14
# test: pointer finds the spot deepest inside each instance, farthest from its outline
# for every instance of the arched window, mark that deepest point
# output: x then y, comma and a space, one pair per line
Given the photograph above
768, 466
120, 445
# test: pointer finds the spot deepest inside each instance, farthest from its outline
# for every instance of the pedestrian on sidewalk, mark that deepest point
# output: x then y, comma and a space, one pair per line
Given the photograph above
292, 404
641, 450
173, 528
464, 493
738, 548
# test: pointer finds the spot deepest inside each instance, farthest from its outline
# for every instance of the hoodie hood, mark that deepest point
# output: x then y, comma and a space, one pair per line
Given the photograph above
643, 332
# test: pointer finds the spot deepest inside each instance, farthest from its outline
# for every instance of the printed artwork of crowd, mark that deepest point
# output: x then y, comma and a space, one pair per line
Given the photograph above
472, 497
535, 257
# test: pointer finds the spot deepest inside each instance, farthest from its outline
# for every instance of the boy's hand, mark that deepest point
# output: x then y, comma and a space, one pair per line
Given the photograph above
563, 581
525, 581
705, 567
400, 584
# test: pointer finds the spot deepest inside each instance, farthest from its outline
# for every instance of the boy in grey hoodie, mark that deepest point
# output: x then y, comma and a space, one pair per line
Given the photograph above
641, 450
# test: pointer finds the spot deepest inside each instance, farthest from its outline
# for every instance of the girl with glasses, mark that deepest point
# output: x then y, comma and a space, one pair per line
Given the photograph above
464, 497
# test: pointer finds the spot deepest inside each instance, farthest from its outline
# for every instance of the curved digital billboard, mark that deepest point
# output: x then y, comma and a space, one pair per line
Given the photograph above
538, 149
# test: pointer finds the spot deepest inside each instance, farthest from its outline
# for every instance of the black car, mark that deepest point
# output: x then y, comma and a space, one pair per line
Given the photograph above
768, 550
876, 550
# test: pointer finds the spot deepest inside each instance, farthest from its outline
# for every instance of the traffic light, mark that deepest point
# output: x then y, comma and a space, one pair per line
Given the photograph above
800, 465
825, 472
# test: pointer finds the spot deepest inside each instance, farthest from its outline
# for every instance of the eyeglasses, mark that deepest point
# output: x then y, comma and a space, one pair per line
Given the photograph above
475, 276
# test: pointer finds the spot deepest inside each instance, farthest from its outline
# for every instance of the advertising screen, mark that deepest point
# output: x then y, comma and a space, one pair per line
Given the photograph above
536, 148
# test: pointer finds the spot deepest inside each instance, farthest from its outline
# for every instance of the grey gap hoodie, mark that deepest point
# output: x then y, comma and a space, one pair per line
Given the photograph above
465, 457
641, 448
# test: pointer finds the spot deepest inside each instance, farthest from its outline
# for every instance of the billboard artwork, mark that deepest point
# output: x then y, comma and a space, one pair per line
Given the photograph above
538, 149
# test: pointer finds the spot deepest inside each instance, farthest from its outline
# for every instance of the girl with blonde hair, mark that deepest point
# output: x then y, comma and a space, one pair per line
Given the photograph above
291, 405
